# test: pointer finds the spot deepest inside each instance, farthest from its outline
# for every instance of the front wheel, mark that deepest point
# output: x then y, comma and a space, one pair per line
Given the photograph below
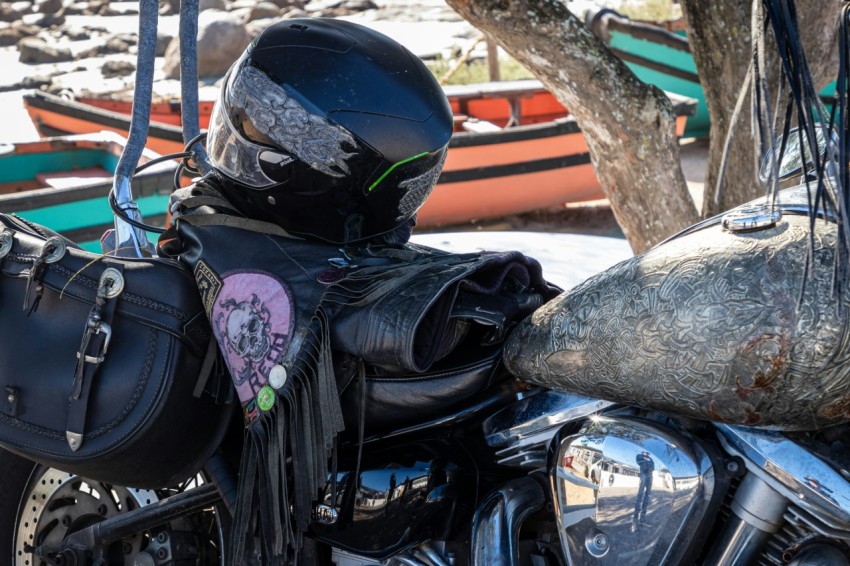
41, 506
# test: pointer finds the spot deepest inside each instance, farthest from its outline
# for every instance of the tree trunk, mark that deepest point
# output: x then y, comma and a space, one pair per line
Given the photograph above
629, 126
720, 40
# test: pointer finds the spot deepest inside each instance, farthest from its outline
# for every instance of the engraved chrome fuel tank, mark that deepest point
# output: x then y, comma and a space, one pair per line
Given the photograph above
725, 323
628, 491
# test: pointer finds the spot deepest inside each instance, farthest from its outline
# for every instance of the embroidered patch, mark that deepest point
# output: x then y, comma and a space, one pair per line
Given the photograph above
209, 286
252, 320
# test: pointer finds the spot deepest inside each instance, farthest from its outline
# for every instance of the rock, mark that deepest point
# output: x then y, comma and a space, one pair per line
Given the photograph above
288, 4
221, 39
47, 6
44, 20
115, 44
26, 30
21, 7
36, 51
263, 10
14, 11
242, 4
295, 13
211, 5
257, 27
9, 36
128, 38
114, 68
119, 9
167, 7
241, 14
76, 34
77, 9
37, 81
162, 41
98, 7
336, 8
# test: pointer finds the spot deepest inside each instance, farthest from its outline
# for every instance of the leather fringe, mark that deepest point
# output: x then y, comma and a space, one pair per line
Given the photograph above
286, 456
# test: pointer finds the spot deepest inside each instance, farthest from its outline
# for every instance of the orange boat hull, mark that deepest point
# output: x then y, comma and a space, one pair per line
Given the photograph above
498, 170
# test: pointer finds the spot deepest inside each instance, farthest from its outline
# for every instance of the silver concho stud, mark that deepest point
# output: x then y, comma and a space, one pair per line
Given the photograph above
117, 285
6, 241
277, 376
58, 252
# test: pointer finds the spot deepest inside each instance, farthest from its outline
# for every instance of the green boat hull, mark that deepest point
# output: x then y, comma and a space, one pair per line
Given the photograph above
77, 207
661, 58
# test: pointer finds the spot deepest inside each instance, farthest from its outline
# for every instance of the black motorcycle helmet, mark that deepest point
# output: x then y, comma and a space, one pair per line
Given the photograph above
330, 130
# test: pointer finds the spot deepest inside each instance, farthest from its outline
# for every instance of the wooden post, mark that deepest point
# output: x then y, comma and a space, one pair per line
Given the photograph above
493, 59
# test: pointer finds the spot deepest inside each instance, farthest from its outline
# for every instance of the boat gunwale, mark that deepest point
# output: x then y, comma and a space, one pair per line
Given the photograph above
53, 103
559, 126
146, 183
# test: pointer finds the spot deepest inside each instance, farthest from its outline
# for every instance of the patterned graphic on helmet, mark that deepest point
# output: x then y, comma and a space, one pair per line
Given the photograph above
252, 322
417, 190
274, 113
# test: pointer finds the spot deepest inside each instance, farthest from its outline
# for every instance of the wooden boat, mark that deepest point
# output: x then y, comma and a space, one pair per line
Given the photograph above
62, 182
658, 53
515, 148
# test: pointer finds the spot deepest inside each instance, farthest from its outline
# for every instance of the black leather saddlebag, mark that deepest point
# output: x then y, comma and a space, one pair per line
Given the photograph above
99, 360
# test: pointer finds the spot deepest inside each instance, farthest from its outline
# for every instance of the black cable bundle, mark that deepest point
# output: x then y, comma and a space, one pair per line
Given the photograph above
798, 98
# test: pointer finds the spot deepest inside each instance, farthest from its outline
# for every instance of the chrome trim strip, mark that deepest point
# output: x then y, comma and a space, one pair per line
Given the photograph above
792, 470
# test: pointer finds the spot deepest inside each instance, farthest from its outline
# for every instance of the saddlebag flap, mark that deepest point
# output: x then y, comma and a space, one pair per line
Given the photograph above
716, 324
99, 359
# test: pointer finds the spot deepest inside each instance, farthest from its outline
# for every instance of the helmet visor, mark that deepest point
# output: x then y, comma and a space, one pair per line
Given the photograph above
236, 156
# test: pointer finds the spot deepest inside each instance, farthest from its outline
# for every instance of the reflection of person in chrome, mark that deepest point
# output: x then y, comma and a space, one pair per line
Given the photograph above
647, 466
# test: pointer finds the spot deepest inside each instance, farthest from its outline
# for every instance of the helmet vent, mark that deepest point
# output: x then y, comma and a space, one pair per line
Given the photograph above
299, 27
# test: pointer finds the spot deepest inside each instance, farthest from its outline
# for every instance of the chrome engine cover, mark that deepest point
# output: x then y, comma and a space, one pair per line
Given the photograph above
521, 432
628, 491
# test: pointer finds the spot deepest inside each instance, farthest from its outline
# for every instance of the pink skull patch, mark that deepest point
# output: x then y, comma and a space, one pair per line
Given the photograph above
252, 320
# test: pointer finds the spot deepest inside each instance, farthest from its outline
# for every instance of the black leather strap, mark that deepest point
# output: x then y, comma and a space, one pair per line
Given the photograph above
95, 340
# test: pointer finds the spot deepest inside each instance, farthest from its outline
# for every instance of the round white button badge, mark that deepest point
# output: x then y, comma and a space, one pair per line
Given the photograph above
277, 377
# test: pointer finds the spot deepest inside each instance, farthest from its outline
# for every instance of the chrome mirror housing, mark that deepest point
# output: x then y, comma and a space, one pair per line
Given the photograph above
793, 160
628, 491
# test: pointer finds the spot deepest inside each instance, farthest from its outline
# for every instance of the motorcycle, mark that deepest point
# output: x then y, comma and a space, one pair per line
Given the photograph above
514, 474
605, 443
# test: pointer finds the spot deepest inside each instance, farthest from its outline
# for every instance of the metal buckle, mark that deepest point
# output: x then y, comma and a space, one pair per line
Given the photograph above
96, 327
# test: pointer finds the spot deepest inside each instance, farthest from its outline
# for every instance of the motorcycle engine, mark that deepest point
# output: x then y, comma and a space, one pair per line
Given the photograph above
793, 505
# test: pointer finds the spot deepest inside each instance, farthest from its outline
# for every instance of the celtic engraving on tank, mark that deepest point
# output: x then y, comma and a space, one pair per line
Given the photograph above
712, 325
311, 138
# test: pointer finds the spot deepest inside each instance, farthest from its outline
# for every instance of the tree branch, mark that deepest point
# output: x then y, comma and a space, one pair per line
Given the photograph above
629, 126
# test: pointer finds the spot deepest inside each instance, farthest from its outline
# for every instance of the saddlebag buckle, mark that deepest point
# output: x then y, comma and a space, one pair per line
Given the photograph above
92, 353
